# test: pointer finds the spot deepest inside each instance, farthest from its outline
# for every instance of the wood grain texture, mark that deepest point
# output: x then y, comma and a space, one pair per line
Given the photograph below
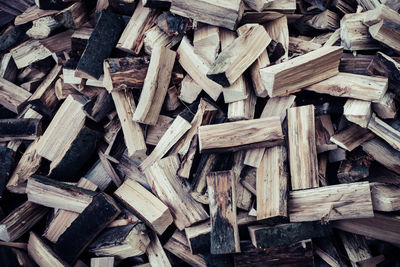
386, 33
386, 107
351, 137
356, 247
206, 42
12, 96
384, 131
323, 132
42, 253
358, 112
155, 252
383, 153
385, 197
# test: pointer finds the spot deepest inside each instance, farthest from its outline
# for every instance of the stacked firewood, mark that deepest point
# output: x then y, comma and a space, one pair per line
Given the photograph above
199, 132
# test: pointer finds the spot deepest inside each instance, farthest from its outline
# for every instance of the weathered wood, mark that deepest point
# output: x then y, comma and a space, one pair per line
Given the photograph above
243, 109
32, 13
199, 182
29, 52
43, 27
280, 79
148, 207
386, 66
351, 137
356, 247
327, 250
155, 132
355, 167
279, 32
102, 262
19, 129
386, 108
74, 16
358, 111
206, 42
300, 46
385, 196
224, 228
8, 69
198, 237
155, 36
383, 153
384, 131
322, 204
12, 96
356, 64
155, 252
323, 132
387, 33
235, 58
42, 253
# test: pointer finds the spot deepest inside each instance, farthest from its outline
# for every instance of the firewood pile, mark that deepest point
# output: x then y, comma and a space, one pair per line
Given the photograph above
199, 133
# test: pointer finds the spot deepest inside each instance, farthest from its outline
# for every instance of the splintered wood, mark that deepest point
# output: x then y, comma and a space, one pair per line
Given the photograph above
199, 132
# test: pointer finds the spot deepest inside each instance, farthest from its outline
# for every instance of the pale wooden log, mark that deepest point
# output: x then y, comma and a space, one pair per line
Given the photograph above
385, 197
171, 190
272, 184
143, 18
148, 207
323, 204
32, 13
42, 27
322, 168
278, 81
155, 252
42, 253
333, 39
384, 131
301, 46
29, 52
133, 133
236, 58
356, 247
352, 137
383, 153
301, 132
190, 90
102, 262
8, 69
358, 111
386, 33
225, 13
327, 250
199, 183
276, 106
224, 228
197, 68
155, 132
249, 179
263, 132
198, 237
171, 99
355, 86
206, 42
386, 107
279, 32
155, 86
258, 5
19, 221
12, 96
323, 132
381, 12
243, 196
243, 109
369, 4
155, 36
284, 6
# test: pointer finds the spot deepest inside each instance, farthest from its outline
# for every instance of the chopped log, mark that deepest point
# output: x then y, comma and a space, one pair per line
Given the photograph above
20, 220
41, 253
257, 5
327, 250
384, 131
32, 13
225, 14
148, 207
190, 90
133, 133
352, 137
279, 32
155, 86
155, 252
155, 132
199, 182
386, 108
155, 36
100, 212
198, 237
358, 111
322, 204
8, 69
300, 46
385, 197
386, 66
355, 167
323, 132
226, 69
355, 64
206, 42
381, 12
99, 105
125, 73
12, 96
102, 262
171, 100
243, 196
301, 133
383, 153
43, 27
74, 16
197, 67
79, 40
121, 242
243, 109
131, 40
249, 178
19, 129
284, 234
224, 228
386, 33
29, 52
58, 43
276, 80
101, 42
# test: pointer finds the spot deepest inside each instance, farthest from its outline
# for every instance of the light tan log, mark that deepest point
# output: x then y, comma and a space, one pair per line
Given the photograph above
206, 42
383, 153
384, 131
385, 33
102, 262
358, 111
12, 96
29, 52
155, 252
155, 36
42, 253
386, 107
356, 248
154, 133
243, 109
190, 90
279, 32
381, 12
385, 197
352, 137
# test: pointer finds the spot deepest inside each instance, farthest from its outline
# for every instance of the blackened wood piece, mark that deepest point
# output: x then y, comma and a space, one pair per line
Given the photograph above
6, 164
172, 24
52, 4
19, 129
7, 256
13, 35
160, 4
100, 212
355, 167
275, 51
99, 106
100, 44
386, 66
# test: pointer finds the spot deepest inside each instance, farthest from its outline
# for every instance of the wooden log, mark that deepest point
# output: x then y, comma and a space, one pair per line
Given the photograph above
20, 220
43, 27
133, 133
384, 131
131, 40
190, 90
41, 253
107, 31
386, 66
301, 132
199, 182
125, 73
300, 46
224, 228
155, 86
197, 67
327, 250
387, 33
74, 16
355, 64
243, 109
385, 196
171, 190
155, 36
102, 262
225, 14
148, 207
155, 252
284, 234
276, 80
279, 32
8, 69
171, 99
358, 111
352, 137
323, 132
355, 202
206, 42
381, 12
383, 153
29, 52
249, 178
99, 105
19, 129
245, 135
99, 176
121, 242
155, 132
100, 212
226, 68
12, 96
386, 108
243, 196
355, 167
198, 237
32, 13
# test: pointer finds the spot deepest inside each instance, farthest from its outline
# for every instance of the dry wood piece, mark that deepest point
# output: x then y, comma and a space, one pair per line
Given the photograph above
383, 153
236, 57
19, 129
132, 37
32, 13
29, 52
42, 27
387, 33
155, 252
322, 204
155, 36
198, 237
301, 46
102, 262
206, 42
356, 248
243, 109
42, 253
386, 66
323, 132
190, 90
358, 111
155, 86
224, 228
297, 73
73, 16
384, 131
386, 108
12, 96
155, 132
352, 137
148, 207
279, 32
19, 221
265, 132
301, 132
355, 86
8, 69
225, 13
385, 197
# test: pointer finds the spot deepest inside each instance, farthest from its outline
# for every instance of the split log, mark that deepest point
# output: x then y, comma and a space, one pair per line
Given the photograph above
352, 137
32, 13
79, 41
386, 108
356, 64
356, 247
155, 132
43, 27
190, 90
74, 16
102, 262
29, 52
155, 36
206, 42
386, 66
385, 196
155, 252
384, 131
355, 167
8, 69
358, 111
199, 237
12, 96
327, 250
41, 253
387, 33
383, 153
300, 46
243, 109
323, 132
19, 129
279, 32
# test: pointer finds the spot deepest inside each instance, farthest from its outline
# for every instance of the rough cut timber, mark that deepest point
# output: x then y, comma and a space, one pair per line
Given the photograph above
131, 40
74, 16
198, 237
100, 212
164, 182
387, 33
225, 13
148, 207
296, 73
257, 5
233, 60
352, 137
19, 129
19, 221
155, 86
265, 132
386, 66
224, 229
358, 111
12, 96
384, 131
301, 133
197, 67
154, 133
155, 252
387, 107
155, 36
356, 248
383, 153
41, 253
385, 197
102, 262
323, 132
367, 88
323, 203
8, 69
32, 13
100, 44
43, 27
206, 42
29, 52
243, 109
279, 32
